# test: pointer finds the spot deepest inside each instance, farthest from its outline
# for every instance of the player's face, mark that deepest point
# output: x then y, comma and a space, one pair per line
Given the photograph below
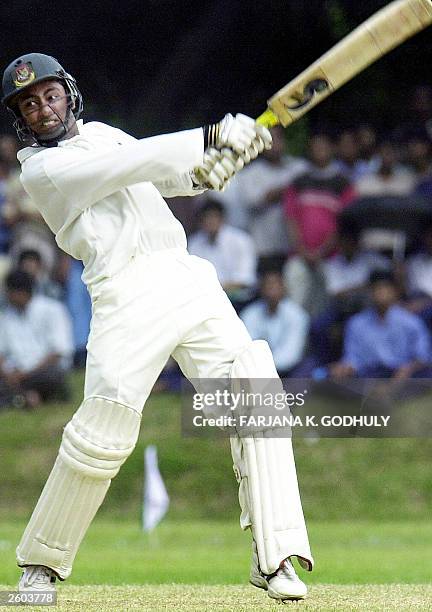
44, 106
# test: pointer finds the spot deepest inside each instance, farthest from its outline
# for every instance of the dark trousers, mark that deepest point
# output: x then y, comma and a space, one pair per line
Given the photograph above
50, 383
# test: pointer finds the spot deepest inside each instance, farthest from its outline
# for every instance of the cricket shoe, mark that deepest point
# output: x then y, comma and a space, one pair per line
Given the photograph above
283, 585
37, 578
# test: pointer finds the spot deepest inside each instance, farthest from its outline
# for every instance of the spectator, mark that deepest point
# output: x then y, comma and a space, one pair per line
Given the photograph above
312, 204
4, 229
28, 230
280, 321
390, 179
367, 142
346, 277
79, 306
257, 194
347, 272
418, 113
30, 261
419, 154
418, 279
385, 340
348, 156
228, 248
35, 344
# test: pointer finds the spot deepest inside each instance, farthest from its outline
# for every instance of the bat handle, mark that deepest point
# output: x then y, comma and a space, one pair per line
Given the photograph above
268, 119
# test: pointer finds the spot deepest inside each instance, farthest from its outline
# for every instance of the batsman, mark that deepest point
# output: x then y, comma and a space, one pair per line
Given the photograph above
101, 193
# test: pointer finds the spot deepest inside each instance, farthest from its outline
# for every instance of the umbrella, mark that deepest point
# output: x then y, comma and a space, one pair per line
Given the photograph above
406, 213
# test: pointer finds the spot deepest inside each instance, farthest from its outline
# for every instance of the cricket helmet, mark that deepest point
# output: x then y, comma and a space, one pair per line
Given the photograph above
27, 70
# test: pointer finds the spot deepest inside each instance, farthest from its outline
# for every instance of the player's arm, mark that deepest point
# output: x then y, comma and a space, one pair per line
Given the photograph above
86, 177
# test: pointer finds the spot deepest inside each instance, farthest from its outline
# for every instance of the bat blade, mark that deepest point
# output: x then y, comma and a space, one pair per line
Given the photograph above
382, 32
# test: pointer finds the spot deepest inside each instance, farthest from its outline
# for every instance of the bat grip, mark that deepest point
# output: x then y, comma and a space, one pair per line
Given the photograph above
268, 119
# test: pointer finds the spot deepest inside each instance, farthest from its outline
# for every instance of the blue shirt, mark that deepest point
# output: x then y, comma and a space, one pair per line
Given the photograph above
285, 330
397, 339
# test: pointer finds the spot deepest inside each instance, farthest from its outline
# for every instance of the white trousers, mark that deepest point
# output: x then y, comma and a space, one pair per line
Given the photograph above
166, 303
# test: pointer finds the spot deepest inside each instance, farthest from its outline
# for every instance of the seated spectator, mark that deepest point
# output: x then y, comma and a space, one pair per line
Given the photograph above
4, 229
419, 154
348, 156
229, 249
280, 321
346, 276
30, 261
366, 138
312, 204
347, 272
390, 179
27, 228
385, 340
35, 345
78, 303
418, 279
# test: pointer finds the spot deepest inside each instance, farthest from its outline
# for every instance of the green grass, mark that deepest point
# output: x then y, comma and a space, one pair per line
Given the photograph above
367, 479
196, 598
203, 566
204, 552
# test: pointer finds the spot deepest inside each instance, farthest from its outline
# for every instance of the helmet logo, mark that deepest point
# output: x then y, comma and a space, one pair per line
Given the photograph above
24, 75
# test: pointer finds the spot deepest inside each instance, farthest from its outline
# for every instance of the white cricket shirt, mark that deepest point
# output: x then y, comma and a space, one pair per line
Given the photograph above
100, 193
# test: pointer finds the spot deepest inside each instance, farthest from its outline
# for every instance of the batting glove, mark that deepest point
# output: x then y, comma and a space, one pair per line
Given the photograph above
241, 134
217, 169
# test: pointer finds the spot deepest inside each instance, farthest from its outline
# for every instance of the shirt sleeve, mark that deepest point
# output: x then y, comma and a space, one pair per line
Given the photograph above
181, 185
66, 180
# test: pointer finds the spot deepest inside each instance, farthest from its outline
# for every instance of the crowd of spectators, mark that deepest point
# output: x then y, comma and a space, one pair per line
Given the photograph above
336, 292
45, 308
339, 292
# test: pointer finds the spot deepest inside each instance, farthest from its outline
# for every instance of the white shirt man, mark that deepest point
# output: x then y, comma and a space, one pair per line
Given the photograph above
29, 335
229, 249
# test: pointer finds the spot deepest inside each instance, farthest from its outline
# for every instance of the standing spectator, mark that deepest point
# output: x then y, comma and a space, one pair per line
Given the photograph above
281, 322
390, 179
257, 192
385, 340
312, 204
30, 261
229, 249
35, 344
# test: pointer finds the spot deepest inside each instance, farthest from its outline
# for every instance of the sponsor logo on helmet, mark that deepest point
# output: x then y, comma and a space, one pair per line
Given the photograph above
24, 75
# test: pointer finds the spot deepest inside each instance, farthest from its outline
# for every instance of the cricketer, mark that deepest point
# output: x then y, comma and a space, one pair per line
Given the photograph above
101, 193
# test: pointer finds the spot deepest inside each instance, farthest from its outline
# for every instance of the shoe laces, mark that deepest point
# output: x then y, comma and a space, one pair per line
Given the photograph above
288, 568
39, 575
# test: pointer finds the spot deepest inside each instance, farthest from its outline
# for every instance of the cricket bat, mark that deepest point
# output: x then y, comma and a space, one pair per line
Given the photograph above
382, 32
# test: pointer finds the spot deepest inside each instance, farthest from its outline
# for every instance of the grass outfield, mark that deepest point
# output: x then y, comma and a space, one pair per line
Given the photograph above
212, 553
220, 598
365, 479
